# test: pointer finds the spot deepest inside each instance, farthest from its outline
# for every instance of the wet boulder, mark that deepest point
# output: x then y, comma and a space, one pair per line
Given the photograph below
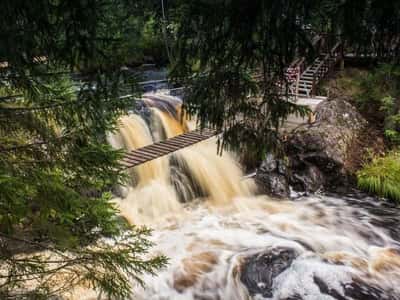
355, 290
272, 177
140, 108
259, 270
318, 153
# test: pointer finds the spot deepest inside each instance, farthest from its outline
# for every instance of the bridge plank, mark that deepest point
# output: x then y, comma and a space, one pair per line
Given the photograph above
142, 155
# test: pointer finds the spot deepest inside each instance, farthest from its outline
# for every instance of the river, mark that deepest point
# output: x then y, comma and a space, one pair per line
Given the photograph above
226, 241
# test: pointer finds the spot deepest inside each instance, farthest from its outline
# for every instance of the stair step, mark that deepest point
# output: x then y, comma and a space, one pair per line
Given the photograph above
303, 93
301, 89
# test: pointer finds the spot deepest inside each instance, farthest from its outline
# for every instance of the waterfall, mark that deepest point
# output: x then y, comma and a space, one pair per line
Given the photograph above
224, 242
135, 134
158, 188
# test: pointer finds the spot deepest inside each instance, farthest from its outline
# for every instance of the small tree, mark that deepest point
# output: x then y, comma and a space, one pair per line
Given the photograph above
58, 227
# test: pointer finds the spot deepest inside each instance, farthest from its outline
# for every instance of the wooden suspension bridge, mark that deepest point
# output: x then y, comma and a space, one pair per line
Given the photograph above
142, 155
304, 87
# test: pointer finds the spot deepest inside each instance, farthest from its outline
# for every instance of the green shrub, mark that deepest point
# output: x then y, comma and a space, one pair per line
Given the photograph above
381, 176
379, 100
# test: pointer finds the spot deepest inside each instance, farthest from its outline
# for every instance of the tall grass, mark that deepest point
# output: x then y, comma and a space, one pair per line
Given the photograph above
381, 176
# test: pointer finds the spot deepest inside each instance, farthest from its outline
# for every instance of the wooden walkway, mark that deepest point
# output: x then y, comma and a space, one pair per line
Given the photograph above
159, 149
318, 70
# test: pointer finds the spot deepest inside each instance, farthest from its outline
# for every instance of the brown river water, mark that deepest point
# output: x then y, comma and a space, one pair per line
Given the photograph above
226, 241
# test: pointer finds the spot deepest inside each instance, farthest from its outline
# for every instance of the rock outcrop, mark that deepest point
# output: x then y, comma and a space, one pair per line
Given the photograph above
259, 273
260, 270
272, 177
317, 155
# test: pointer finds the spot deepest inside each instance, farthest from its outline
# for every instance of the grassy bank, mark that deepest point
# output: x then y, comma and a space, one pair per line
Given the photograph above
375, 93
381, 176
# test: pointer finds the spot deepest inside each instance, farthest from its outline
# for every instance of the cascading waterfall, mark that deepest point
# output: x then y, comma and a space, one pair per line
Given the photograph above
158, 187
224, 242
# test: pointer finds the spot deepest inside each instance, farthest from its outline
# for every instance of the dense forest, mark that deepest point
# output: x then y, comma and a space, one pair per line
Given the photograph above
64, 67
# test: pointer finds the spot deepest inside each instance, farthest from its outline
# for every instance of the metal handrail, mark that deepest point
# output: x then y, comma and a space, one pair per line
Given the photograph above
325, 63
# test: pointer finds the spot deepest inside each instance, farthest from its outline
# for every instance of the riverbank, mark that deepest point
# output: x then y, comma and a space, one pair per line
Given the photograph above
344, 137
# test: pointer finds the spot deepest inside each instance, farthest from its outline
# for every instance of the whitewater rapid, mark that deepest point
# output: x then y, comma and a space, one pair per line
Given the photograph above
225, 241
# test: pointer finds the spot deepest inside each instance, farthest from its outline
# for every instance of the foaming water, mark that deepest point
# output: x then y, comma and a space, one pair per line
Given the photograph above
217, 177
170, 126
135, 134
333, 256
226, 243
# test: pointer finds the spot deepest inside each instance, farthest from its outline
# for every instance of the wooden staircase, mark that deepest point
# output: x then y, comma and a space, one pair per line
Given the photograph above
305, 87
312, 75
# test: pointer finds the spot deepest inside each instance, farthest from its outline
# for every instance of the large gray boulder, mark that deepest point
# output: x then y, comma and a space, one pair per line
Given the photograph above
318, 153
272, 177
259, 270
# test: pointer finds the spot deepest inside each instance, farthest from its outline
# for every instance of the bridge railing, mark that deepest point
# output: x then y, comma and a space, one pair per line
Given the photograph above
327, 65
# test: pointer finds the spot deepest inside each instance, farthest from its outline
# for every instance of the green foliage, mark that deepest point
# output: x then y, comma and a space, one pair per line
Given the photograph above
108, 265
58, 226
370, 27
56, 170
379, 99
220, 45
382, 176
152, 42
143, 40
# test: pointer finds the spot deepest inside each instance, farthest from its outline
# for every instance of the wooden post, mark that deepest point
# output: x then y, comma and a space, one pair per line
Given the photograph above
341, 57
341, 62
297, 82
313, 87
311, 118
